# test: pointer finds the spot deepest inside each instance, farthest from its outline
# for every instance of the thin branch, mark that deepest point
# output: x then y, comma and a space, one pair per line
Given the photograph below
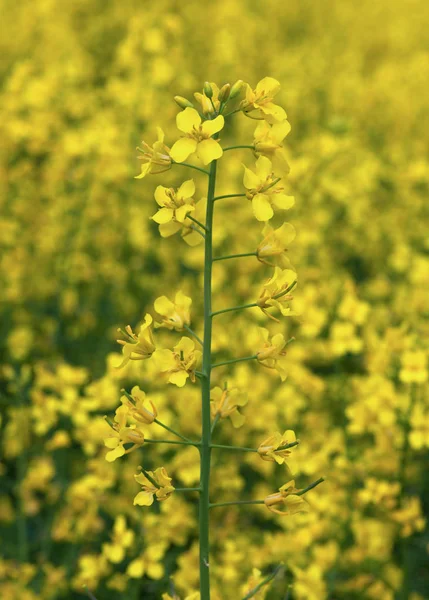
234, 360
228, 196
233, 448
236, 147
197, 222
310, 487
264, 582
232, 308
191, 332
235, 256
182, 437
177, 442
236, 502
185, 164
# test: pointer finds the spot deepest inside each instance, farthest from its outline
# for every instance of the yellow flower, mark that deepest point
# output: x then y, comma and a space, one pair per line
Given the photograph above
136, 408
275, 242
175, 315
156, 158
198, 137
175, 205
264, 191
181, 363
269, 448
413, 367
140, 346
225, 403
259, 104
122, 539
154, 484
276, 292
189, 233
287, 497
122, 434
267, 142
272, 352
193, 596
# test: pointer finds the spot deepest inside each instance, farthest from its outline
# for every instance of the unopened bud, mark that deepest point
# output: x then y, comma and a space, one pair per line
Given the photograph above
182, 102
236, 89
208, 90
224, 92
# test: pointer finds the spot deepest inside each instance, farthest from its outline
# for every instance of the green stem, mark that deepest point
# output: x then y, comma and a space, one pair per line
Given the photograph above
205, 450
267, 579
89, 593
286, 446
234, 360
185, 164
179, 435
311, 486
198, 231
180, 443
194, 489
233, 448
232, 308
236, 502
232, 112
191, 332
235, 147
228, 196
197, 222
235, 256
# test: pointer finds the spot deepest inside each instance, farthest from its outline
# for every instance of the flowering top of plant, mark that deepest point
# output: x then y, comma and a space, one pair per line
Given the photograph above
191, 359
198, 137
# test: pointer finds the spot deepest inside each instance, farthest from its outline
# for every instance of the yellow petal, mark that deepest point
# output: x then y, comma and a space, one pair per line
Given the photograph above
164, 215
116, 453
209, 150
212, 127
237, 419
136, 569
264, 167
279, 131
283, 201
262, 207
169, 229
161, 195
178, 378
182, 149
163, 306
144, 499
186, 345
250, 180
186, 190
183, 211
268, 86
187, 120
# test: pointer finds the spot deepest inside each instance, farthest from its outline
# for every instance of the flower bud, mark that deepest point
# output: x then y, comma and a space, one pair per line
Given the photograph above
208, 90
224, 92
182, 102
236, 89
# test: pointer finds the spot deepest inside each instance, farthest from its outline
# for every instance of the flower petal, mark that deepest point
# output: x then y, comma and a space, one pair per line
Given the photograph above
178, 378
164, 215
144, 499
262, 208
250, 180
163, 306
264, 168
161, 196
187, 120
186, 190
182, 149
268, 86
283, 201
209, 150
212, 127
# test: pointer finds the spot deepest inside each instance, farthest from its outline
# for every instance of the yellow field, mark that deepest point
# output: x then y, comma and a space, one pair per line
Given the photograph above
83, 83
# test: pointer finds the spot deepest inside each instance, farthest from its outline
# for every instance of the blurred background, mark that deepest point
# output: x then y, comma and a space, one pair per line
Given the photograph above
83, 83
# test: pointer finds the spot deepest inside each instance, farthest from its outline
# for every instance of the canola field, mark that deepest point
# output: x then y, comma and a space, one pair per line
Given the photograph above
301, 417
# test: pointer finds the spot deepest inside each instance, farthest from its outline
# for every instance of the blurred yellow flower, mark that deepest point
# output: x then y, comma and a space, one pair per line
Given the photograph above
267, 142
226, 402
258, 103
275, 292
272, 352
155, 484
139, 347
121, 539
269, 448
286, 497
413, 367
122, 434
175, 205
155, 159
275, 242
198, 137
180, 363
135, 403
263, 190
175, 315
